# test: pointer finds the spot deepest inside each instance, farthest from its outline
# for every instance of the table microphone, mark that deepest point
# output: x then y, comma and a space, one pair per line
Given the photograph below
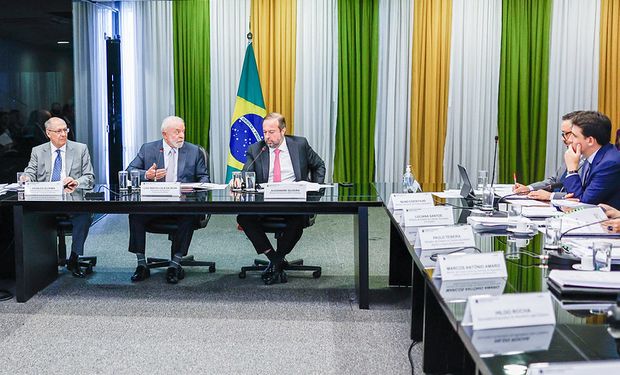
262, 149
494, 160
582, 226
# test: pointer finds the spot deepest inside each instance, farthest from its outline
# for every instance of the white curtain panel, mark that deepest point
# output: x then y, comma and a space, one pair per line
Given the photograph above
147, 76
573, 68
316, 83
90, 26
229, 25
474, 87
392, 126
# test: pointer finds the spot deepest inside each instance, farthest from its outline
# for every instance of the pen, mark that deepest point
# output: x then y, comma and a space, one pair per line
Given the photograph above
514, 177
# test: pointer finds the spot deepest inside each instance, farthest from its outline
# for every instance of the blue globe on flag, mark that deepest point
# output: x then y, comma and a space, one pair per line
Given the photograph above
245, 131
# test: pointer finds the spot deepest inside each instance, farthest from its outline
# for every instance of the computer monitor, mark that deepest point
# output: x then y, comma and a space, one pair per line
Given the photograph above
467, 191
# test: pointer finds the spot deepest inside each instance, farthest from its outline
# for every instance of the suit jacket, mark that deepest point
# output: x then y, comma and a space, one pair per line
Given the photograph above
191, 163
307, 165
601, 184
77, 160
558, 177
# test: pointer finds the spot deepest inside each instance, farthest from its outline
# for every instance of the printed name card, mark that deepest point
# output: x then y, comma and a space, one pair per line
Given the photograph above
509, 310
460, 290
285, 191
422, 217
445, 237
510, 340
401, 201
44, 188
471, 266
160, 189
575, 368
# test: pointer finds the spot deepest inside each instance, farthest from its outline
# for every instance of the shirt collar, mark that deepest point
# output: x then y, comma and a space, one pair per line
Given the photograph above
282, 147
591, 157
166, 147
53, 148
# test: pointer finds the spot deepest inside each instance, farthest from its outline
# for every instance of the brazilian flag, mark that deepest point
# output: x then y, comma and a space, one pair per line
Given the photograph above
247, 120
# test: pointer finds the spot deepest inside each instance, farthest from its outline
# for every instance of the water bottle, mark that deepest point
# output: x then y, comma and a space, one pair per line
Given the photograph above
409, 181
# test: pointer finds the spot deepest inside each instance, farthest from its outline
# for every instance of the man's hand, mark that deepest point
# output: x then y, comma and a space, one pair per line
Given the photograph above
518, 188
571, 157
541, 195
155, 174
70, 183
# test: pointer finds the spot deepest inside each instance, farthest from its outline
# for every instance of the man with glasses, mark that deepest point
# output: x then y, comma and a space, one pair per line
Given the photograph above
544, 190
63, 160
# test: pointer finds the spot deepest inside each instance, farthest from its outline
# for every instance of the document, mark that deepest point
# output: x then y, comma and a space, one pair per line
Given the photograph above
564, 278
203, 186
584, 221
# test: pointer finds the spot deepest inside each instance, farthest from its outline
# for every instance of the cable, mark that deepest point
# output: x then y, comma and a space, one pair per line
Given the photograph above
434, 256
413, 343
115, 193
581, 226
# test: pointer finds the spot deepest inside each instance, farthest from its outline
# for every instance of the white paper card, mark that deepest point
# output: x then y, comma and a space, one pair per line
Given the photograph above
510, 340
401, 201
422, 217
160, 189
460, 290
471, 266
44, 188
574, 368
431, 238
284, 191
509, 310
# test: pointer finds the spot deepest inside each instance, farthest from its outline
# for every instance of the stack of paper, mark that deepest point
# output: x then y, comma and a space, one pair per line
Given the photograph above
488, 223
584, 221
579, 246
539, 212
603, 285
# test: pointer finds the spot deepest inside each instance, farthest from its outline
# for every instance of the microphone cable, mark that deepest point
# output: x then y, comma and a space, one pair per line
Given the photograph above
434, 256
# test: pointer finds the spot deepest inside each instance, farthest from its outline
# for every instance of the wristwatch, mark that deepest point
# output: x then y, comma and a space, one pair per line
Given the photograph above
573, 171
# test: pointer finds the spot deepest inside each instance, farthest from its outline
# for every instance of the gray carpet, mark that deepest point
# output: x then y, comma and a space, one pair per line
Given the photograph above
214, 322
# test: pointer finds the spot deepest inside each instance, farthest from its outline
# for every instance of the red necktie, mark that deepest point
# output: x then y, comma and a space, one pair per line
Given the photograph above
277, 175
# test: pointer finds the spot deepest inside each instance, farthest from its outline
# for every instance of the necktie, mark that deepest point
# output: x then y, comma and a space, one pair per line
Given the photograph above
57, 167
277, 173
171, 173
585, 170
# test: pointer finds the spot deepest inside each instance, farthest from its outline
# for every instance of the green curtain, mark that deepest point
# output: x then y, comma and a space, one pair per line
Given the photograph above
192, 93
358, 35
524, 76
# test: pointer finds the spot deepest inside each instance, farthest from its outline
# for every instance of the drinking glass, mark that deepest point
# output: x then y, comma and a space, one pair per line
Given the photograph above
122, 180
553, 232
514, 214
250, 181
488, 196
135, 180
483, 179
604, 248
21, 180
237, 181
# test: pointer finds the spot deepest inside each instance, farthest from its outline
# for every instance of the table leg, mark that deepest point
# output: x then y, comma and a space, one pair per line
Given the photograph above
400, 259
360, 224
417, 304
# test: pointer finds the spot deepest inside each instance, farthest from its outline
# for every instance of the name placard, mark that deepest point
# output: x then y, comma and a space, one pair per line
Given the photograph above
285, 192
160, 189
574, 368
509, 310
471, 266
401, 201
423, 217
460, 290
445, 237
510, 340
44, 188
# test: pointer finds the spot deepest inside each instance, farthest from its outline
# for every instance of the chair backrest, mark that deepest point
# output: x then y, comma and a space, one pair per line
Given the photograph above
618, 139
275, 224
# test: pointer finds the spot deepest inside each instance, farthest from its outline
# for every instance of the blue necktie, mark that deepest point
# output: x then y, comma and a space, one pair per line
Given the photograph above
57, 167
585, 169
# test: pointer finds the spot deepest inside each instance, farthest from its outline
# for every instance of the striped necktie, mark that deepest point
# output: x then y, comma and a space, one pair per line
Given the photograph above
57, 166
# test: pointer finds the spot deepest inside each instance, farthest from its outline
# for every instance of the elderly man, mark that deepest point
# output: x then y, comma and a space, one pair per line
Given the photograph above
69, 162
169, 159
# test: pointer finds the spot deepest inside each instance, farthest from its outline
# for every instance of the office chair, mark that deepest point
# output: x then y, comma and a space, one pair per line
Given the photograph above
276, 225
63, 229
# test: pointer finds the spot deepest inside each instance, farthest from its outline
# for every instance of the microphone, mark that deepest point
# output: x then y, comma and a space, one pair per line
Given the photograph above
262, 149
494, 160
582, 226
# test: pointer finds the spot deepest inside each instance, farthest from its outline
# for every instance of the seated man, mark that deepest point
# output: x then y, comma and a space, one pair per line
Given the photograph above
544, 190
69, 162
169, 159
599, 178
289, 159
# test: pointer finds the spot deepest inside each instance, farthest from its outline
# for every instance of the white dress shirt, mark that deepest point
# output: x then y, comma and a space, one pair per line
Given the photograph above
63, 153
171, 160
286, 164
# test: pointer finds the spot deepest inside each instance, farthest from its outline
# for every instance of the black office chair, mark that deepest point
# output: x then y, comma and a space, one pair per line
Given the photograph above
276, 225
63, 229
167, 225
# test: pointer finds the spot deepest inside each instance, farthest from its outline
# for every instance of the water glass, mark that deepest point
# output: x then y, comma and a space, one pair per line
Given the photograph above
483, 179
488, 196
514, 214
135, 179
122, 180
553, 232
21, 180
237, 181
603, 248
250, 181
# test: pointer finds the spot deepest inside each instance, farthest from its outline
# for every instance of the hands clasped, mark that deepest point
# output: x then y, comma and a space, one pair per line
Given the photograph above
155, 174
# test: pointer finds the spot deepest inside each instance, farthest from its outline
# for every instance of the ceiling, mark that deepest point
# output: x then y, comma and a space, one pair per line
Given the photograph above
40, 23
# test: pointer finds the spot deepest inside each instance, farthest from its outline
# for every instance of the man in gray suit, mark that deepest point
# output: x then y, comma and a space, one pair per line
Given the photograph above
288, 159
544, 190
169, 159
69, 162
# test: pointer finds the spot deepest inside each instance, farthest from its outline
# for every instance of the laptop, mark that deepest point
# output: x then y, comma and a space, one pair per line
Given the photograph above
467, 191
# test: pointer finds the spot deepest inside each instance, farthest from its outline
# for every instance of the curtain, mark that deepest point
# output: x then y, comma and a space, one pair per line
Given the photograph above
573, 76
609, 78
473, 88
147, 71
273, 23
192, 94
429, 97
90, 26
523, 99
229, 20
316, 87
393, 89
358, 34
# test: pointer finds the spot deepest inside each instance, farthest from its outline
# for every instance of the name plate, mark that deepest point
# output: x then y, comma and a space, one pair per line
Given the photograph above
511, 340
575, 368
445, 237
424, 217
401, 201
509, 310
460, 290
44, 188
471, 266
285, 191
160, 189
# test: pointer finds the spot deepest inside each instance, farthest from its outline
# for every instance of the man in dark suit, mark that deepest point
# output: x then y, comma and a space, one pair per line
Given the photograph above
170, 159
69, 162
279, 158
598, 179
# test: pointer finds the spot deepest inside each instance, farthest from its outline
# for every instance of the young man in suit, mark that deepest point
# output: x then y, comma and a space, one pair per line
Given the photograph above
598, 179
69, 162
169, 159
279, 158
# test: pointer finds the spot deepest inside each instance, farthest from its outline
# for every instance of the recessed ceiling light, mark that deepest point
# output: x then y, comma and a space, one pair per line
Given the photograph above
63, 42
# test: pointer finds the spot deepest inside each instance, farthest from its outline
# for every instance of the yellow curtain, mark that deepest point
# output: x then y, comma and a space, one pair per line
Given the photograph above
274, 25
429, 99
609, 71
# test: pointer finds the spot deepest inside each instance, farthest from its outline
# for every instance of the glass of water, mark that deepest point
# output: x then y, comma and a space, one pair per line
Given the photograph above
553, 232
135, 180
483, 179
488, 196
604, 249
250, 181
122, 180
237, 181
514, 214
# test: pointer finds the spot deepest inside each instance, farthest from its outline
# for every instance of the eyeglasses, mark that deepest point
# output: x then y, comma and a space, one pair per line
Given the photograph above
59, 131
566, 135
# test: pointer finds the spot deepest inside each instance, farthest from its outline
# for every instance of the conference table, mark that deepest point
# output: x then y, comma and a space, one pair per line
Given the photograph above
35, 224
437, 309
